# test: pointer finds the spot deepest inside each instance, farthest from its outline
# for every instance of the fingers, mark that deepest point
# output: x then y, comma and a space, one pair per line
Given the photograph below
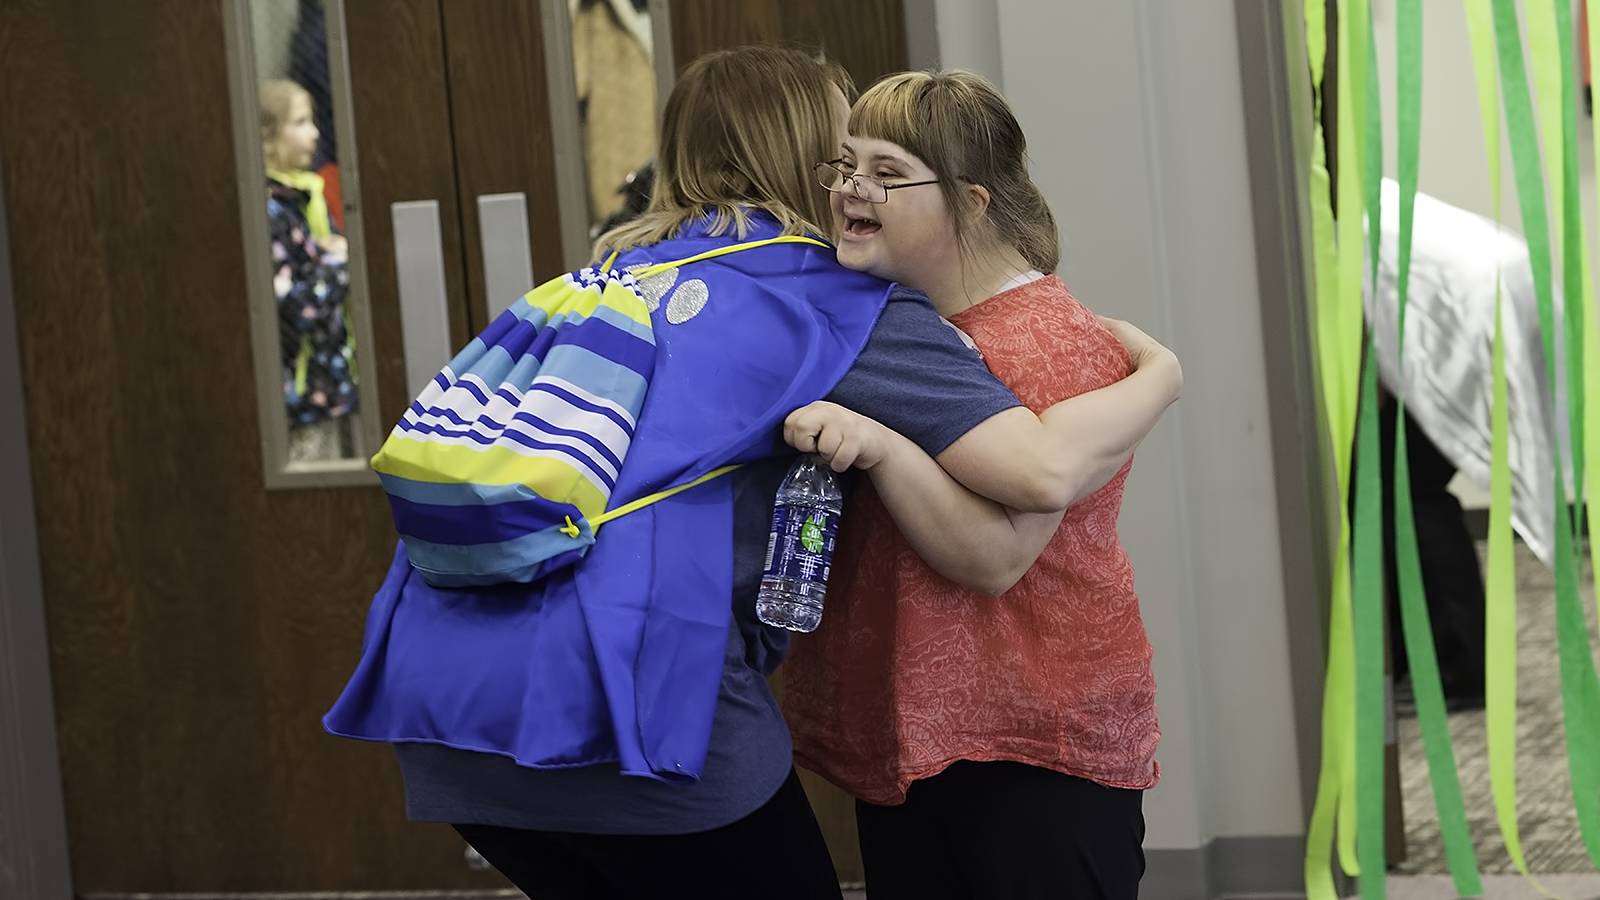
826, 430
829, 441
845, 456
800, 429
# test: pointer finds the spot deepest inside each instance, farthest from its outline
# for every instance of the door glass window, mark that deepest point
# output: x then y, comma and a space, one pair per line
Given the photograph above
298, 187
614, 68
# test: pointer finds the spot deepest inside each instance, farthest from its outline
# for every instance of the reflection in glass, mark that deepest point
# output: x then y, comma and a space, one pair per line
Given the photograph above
309, 252
613, 63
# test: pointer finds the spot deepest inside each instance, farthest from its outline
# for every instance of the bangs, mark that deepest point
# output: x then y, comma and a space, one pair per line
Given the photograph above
888, 112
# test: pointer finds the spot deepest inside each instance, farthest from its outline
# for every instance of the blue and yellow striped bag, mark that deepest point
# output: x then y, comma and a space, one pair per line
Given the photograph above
502, 469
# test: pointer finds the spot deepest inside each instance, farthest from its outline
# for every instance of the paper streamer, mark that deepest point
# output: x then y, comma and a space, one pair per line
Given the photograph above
1500, 651
1581, 700
1355, 86
1591, 359
1336, 696
1574, 264
1415, 624
1372, 713
1580, 689
1349, 809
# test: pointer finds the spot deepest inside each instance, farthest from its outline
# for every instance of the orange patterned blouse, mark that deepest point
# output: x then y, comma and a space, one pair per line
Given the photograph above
910, 672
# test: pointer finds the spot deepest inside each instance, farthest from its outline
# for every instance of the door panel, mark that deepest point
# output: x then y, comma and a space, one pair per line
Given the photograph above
500, 114
402, 116
199, 624
867, 37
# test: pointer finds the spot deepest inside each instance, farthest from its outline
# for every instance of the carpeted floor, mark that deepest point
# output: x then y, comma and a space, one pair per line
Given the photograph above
1547, 821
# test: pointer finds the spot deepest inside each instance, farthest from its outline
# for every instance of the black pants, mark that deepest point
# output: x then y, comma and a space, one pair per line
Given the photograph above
1449, 560
1005, 831
776, 851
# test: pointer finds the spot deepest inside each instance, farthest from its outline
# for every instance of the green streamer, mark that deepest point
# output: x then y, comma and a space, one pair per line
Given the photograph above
1415, 624
1591, 360
1500, 651
1316, 16
1580, 688
1371, 714
1337, 706
1338, 318
1544, 68
1570, 234
1336, 690
1352, 115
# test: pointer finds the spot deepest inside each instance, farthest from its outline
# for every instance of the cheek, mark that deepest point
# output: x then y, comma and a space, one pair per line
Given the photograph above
917, 231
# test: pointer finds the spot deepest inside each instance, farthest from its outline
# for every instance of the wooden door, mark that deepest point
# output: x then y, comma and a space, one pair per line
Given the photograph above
867, 37
199, 623
500, 121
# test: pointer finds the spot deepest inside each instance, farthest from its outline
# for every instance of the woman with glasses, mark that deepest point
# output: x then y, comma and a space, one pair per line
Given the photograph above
608, 731
998, 734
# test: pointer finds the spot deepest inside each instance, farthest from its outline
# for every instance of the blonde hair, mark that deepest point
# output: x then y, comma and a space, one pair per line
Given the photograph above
742, 128
277, 98
960, 125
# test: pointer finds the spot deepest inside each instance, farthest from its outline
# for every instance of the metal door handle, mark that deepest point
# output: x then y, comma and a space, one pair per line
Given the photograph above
503, 234
424, 310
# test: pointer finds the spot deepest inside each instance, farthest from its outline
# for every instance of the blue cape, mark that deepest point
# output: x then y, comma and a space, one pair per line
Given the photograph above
618, 659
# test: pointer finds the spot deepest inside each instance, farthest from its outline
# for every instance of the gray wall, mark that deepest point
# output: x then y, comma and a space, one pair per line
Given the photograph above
1136, 126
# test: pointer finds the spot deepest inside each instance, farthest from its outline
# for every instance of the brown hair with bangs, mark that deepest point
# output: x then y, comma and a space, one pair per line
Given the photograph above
960, 125
741, 129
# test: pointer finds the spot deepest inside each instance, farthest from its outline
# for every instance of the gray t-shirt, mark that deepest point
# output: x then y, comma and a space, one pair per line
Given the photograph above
915, 376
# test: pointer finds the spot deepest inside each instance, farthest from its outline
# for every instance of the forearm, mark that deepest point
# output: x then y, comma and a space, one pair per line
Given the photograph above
1049, 462
1092, 436
968, 539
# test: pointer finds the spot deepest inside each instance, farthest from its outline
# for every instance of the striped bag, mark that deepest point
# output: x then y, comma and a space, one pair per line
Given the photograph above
502, 469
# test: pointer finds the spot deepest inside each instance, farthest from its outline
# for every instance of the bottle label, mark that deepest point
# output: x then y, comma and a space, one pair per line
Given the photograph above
802, 542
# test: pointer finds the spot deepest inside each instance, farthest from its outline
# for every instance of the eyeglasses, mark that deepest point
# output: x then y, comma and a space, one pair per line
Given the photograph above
868, 188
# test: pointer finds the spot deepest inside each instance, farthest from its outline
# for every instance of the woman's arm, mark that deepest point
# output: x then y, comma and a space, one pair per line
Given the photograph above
1072, 449
968, 539
1046, 463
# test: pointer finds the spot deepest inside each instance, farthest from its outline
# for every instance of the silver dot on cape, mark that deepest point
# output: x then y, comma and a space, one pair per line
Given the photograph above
656, 286
687, 301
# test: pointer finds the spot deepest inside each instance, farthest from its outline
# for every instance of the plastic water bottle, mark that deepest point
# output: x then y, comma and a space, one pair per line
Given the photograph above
805, 525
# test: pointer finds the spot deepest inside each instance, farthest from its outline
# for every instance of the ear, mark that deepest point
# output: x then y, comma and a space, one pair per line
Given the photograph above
977, 197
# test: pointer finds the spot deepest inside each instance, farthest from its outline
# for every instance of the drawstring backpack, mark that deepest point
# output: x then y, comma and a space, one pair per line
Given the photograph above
502, 469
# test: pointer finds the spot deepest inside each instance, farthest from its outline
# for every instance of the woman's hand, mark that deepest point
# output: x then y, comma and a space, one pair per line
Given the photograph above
1146, 351
841, 437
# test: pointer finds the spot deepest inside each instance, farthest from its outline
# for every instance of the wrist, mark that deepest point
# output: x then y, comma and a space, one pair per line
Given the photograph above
895, 447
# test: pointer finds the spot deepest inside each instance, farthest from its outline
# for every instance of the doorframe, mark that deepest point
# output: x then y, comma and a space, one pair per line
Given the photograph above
278, 473
33, 824
572, 196
1278, 129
